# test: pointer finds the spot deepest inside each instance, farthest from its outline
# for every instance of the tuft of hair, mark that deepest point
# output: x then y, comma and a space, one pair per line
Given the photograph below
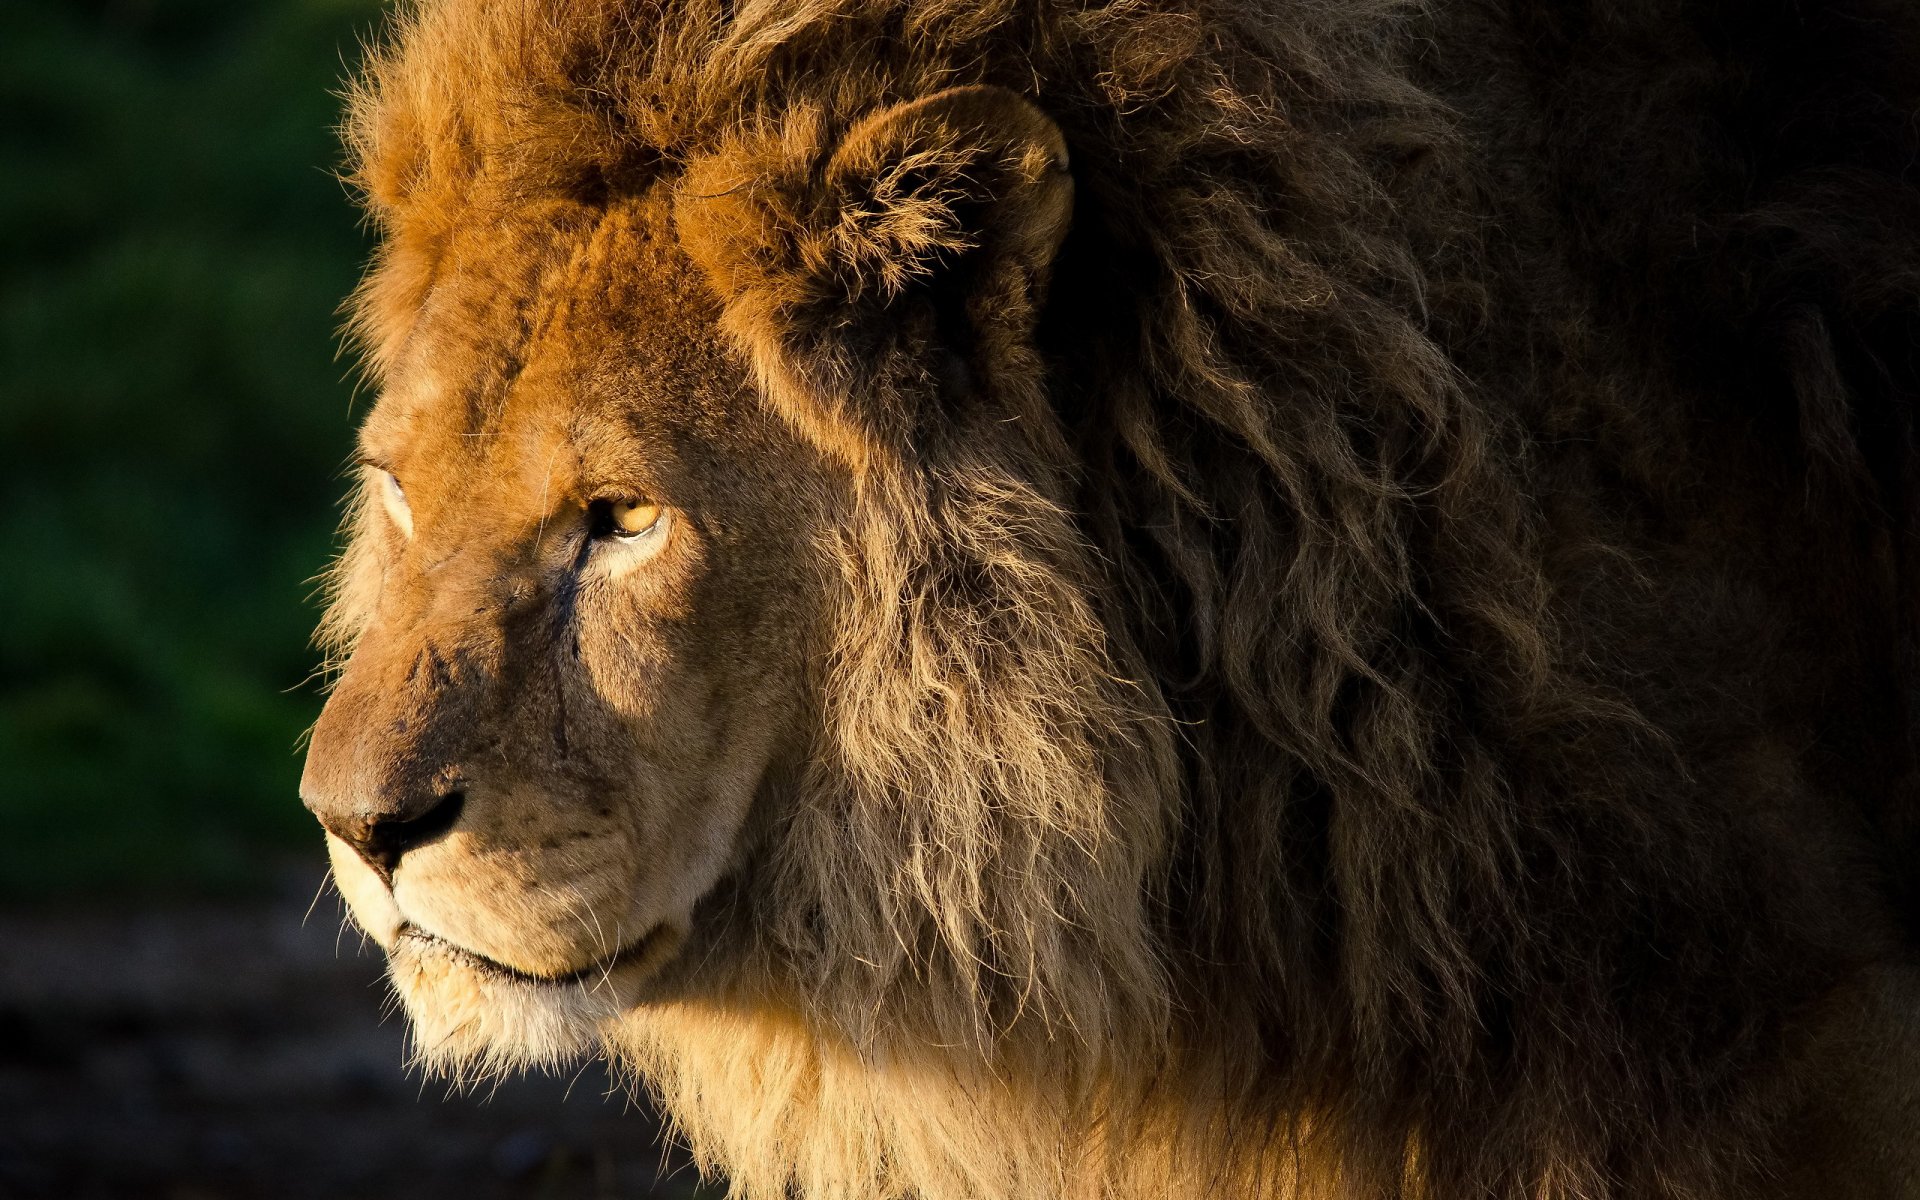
350, 586
469, 1027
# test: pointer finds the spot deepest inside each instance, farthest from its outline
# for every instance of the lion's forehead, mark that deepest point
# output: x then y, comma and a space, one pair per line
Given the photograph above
554, 349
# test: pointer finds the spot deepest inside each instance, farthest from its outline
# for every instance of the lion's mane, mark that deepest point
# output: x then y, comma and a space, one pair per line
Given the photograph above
1363, 708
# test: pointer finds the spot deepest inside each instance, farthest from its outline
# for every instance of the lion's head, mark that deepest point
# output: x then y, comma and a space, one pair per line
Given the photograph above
716, 620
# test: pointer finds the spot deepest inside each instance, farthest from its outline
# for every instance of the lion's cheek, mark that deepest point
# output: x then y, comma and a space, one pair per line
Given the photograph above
366, 895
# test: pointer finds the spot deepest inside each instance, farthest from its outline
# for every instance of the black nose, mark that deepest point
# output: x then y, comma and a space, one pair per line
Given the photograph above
382, 838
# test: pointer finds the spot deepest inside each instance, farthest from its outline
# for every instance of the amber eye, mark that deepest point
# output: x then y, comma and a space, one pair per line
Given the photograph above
623, 519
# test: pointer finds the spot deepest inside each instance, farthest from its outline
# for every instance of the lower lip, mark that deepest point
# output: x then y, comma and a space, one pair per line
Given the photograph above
598, 969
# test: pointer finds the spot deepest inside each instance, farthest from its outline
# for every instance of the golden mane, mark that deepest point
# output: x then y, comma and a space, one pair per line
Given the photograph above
1292, 735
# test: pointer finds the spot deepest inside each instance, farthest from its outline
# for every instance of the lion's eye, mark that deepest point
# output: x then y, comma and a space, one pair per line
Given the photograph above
623, 519
625, 533
395, 499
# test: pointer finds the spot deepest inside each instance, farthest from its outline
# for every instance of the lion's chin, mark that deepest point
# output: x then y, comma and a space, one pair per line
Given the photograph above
474, 1017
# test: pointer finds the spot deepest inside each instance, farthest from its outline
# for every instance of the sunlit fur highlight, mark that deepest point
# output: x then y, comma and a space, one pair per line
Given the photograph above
1314, 720
473, 1026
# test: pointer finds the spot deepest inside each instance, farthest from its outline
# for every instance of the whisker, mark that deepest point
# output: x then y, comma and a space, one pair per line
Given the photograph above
326, 877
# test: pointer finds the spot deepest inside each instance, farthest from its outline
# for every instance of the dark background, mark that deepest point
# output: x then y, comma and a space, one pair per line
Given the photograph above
180, 1014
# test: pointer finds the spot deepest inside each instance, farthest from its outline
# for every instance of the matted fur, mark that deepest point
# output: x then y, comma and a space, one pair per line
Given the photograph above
1395, 686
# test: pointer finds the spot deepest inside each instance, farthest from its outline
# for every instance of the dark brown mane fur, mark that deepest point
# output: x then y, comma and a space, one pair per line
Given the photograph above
1493, 425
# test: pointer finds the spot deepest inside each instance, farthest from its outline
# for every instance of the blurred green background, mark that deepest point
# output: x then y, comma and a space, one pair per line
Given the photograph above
174, 418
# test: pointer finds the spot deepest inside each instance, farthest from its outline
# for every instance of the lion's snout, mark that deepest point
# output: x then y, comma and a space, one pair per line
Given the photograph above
444, 819
378, 776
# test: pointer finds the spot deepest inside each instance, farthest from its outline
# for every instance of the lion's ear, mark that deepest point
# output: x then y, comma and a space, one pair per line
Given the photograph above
907, 193
825, 249
971, 170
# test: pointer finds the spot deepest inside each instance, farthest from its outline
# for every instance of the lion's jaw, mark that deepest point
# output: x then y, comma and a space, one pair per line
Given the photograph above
607, 720
469, 1012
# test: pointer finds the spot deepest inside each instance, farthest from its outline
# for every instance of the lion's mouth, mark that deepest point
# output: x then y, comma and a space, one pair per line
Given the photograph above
595, 971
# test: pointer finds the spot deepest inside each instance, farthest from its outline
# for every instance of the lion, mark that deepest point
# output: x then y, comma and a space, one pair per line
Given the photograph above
1114, 600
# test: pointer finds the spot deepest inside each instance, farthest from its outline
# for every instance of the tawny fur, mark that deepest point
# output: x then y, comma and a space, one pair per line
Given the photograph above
1395, 683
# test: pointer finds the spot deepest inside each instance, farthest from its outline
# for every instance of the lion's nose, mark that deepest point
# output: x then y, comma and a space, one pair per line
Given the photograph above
382, 837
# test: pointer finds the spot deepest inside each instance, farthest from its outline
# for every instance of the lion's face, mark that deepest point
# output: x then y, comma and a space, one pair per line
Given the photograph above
587, 617
715, 545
